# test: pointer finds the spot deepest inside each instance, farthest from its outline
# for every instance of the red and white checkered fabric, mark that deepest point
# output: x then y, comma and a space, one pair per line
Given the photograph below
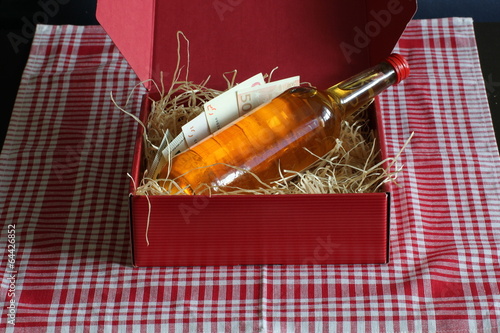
63, 185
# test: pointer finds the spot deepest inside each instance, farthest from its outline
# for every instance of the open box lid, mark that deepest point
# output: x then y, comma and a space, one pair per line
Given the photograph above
323, 41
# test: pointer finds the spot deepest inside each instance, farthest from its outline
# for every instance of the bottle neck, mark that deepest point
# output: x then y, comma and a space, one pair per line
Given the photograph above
357, 91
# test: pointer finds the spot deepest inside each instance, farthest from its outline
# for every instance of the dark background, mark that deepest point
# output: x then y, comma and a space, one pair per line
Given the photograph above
19, 16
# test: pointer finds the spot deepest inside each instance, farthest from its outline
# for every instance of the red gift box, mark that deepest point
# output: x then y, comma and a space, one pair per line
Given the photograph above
324, 42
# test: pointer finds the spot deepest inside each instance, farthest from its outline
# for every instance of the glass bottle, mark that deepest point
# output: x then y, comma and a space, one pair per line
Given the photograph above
284, 134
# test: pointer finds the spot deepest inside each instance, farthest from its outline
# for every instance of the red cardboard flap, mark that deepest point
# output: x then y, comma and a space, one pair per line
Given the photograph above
323, 41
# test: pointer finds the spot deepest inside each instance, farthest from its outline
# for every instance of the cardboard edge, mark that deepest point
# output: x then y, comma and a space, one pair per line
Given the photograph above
388, 224
380, 128
137, 164
131, 230
380, 135
387, 187
138, 145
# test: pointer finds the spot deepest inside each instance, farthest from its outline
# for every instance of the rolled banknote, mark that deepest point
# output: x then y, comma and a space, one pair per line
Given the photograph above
250, 98
168, 148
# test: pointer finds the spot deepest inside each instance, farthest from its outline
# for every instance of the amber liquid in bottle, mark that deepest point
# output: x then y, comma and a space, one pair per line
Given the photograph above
287, 133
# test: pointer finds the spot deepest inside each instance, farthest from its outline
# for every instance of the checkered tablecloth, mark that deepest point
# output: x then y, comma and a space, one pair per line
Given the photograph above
63, 190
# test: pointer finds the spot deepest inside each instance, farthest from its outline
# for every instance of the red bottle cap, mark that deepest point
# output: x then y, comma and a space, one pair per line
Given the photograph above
400, 65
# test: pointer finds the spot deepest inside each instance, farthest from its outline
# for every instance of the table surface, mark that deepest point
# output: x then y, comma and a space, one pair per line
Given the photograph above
64, 187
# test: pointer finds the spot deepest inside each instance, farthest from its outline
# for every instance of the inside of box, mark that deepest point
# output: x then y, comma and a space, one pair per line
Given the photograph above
296, 37
370, 124
325, 41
